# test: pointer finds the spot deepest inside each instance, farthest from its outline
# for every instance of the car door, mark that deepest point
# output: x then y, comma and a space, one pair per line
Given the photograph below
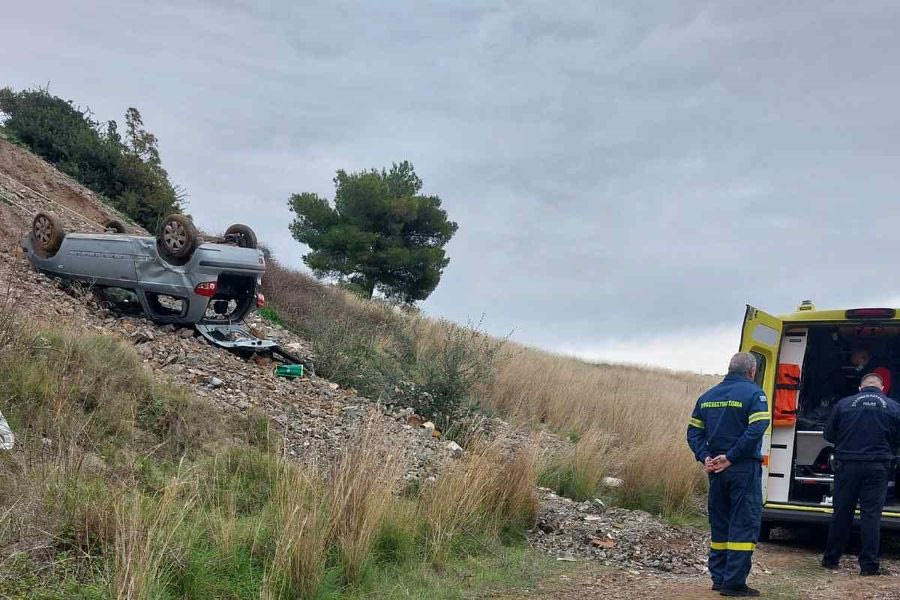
761, 337
105, 259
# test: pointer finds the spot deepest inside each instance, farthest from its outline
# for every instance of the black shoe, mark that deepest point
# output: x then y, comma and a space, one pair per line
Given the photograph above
829, 565
716, 587
871, 572
743, 591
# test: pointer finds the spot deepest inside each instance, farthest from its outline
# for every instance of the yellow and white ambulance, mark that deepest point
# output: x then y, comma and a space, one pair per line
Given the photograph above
808, 360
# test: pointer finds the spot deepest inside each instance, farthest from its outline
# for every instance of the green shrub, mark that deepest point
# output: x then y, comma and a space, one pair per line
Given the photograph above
271, 315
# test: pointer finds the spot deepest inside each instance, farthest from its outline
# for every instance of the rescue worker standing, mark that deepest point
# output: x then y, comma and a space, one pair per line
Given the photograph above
864, 429
725, 433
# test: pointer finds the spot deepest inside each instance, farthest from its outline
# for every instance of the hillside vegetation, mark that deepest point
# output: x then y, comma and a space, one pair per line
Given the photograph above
122, 486
627, 422
126, 169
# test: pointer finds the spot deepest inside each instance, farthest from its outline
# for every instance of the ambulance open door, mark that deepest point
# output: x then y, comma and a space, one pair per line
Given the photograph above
761, 337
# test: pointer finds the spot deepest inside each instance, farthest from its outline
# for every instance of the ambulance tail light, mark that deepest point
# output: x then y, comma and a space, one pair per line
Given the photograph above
871, 313
207, 289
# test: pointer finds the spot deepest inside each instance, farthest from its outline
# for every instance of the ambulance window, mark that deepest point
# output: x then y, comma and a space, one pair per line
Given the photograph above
760, 367
765, 334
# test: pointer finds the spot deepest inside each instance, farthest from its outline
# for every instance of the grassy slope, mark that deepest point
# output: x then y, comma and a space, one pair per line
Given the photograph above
121, 486
629, 421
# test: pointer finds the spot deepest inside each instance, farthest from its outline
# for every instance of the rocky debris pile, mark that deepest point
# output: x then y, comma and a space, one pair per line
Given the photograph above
630, 539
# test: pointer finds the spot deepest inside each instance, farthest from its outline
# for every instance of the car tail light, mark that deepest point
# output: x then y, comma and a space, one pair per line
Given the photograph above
260, 300
207, 289
871, 313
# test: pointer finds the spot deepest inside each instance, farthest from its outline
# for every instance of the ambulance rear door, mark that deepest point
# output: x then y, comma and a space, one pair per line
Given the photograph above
761, 337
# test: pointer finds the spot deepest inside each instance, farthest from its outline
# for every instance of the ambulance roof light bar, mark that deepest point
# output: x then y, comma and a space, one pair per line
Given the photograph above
871, 313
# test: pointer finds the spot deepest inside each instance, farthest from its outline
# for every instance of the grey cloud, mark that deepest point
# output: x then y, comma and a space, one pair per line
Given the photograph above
615, 172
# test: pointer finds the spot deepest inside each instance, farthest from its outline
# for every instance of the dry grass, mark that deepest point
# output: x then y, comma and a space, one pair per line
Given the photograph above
577, 470
146, 538
361, 492
301, 534
486, 491
632, 420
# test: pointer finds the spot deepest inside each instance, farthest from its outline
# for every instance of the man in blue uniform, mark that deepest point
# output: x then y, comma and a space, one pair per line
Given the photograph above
864, 429
725, 432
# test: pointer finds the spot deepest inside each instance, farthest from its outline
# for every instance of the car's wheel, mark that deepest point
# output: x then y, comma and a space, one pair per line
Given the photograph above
47, 232
243, 235
114, 226
177, 237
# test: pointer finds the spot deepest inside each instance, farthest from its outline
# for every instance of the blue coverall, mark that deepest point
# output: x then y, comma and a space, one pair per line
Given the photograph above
864, 429
731, 419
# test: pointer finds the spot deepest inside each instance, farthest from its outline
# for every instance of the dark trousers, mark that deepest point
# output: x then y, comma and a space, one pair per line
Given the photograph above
866, 483
735, 512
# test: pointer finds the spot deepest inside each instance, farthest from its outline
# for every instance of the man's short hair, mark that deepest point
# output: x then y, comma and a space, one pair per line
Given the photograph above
741, 364
872, 379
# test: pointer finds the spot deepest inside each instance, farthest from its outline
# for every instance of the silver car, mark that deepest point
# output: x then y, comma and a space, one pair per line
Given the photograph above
176, 277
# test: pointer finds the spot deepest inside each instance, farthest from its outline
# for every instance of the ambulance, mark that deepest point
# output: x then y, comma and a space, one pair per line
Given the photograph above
808, 360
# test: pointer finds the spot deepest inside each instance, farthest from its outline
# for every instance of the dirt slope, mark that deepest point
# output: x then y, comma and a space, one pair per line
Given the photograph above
28, 184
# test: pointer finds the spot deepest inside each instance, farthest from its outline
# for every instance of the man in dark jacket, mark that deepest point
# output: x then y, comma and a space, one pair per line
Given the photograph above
864, 429
724, 433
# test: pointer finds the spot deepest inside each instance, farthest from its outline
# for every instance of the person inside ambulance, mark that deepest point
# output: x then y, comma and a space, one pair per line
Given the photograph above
725, 433
862, 362
844, 381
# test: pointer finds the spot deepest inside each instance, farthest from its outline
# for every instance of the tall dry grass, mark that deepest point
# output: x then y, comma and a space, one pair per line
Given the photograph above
634, 418
360, 494
146, 535
301, 534
488, 490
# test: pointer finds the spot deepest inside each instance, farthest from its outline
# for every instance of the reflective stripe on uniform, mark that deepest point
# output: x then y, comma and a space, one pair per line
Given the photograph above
696, 423
758, 416
738, 546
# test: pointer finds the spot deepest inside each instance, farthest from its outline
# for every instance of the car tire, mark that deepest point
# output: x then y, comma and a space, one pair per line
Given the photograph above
47, 232
245, 236
114, 226
177, 238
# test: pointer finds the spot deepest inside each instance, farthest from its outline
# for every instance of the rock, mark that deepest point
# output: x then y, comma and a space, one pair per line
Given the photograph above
454, 448
627, 539
215, 382
428, 426
612, 482
333, 386
186, 332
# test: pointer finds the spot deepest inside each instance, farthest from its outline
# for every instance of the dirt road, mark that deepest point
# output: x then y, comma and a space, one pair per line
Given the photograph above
786, 569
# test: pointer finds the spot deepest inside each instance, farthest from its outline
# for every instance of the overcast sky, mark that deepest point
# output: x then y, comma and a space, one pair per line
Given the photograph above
624, 180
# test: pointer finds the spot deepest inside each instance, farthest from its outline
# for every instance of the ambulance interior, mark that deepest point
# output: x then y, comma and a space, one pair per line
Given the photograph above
816, 369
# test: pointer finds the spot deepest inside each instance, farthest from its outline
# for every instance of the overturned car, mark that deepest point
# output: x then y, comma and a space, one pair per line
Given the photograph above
177, 277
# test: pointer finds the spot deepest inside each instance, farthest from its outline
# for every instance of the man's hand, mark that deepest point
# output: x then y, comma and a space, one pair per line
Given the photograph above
709, 465
720, 463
